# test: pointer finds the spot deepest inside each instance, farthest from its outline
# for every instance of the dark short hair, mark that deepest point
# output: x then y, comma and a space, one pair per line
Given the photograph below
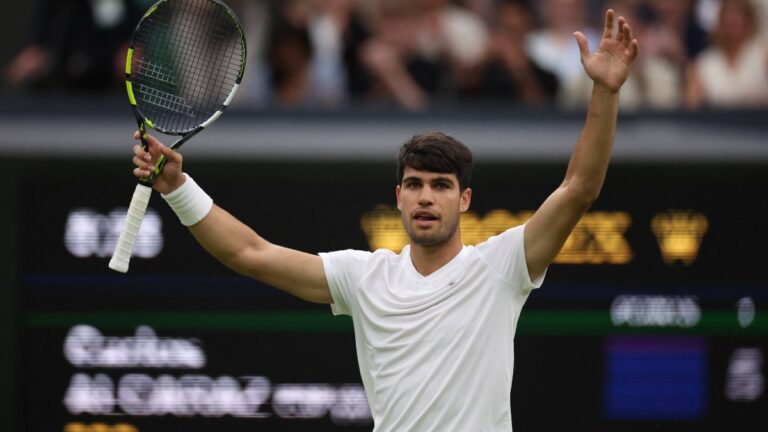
436, 152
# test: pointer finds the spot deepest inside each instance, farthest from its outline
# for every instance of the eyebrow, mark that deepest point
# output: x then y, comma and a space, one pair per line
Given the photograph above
433, 180
442, 179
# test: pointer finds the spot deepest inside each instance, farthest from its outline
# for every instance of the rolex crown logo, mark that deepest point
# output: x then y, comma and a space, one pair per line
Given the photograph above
679, 234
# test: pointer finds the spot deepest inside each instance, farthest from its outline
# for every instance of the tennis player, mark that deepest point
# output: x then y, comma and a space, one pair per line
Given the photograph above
435, 324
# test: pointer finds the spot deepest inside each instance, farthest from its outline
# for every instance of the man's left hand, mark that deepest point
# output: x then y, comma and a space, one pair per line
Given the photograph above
609, 66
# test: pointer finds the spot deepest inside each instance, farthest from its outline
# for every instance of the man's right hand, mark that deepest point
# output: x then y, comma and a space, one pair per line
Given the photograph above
171, 177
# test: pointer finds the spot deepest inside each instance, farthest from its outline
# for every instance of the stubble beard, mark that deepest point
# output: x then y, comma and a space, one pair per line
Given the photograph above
430, 239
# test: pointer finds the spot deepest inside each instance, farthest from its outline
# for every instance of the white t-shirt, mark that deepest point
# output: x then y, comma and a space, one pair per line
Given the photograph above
436, 352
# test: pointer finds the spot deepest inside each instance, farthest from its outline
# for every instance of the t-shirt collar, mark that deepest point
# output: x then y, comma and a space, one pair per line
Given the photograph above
406, 253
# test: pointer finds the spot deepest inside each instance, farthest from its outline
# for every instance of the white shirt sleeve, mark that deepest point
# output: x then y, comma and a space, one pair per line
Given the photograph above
505, 254
343, 270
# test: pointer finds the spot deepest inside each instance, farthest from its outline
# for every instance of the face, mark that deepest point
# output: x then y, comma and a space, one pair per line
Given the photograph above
431, 204
514, 20
672, 10
735, 24
565, 14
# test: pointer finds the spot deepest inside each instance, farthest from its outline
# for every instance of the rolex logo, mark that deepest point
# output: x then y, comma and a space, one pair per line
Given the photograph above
679, 234
598, 238
383, 226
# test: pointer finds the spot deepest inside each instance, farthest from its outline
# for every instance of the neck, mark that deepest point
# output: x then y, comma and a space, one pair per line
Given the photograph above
429, 259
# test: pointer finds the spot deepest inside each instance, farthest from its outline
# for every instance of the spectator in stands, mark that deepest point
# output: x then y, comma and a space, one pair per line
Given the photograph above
484, 9
290, 54
762, 12
674, 32
552, 46
508, 73
734, 71
656, 81
338, 32
391, 56
452, 33
423, 49
76, 44
305, 71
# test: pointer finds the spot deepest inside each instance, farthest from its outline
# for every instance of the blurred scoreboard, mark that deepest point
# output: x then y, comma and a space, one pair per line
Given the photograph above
652, 318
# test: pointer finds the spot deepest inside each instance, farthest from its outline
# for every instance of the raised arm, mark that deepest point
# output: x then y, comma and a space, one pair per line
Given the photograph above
553, 222
236, 245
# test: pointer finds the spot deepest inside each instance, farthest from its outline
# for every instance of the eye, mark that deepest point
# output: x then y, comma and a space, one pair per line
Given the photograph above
442, 186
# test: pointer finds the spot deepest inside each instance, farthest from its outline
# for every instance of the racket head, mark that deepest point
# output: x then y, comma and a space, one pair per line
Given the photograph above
184, 64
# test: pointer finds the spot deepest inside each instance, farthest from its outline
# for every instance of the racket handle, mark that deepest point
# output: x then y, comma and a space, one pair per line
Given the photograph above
133, 218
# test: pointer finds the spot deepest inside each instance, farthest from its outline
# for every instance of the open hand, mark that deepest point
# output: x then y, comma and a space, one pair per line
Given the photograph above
610, 64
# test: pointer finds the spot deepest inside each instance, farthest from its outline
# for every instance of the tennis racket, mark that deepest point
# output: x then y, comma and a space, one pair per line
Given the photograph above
184, 64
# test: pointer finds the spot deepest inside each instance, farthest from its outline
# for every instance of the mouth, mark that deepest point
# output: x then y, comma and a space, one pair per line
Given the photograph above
424, 217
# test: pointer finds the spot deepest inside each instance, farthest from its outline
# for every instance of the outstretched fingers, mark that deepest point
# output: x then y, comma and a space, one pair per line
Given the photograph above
621, 34
626, 39
581, 40
608, 30
633, 49
626, 31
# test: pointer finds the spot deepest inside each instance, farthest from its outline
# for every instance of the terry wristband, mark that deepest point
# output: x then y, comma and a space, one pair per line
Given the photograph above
190, 202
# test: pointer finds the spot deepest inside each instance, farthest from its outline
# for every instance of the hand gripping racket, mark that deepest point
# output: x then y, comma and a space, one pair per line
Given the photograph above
184, 65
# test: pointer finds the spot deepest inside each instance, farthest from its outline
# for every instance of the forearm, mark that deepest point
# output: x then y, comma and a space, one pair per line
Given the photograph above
590, 158
239, 247
230, 241
220, 233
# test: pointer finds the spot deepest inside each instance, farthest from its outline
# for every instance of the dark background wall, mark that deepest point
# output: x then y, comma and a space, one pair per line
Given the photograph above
679, 323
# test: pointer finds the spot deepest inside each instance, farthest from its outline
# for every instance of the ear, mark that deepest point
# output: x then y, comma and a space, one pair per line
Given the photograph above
397, 195
465, 199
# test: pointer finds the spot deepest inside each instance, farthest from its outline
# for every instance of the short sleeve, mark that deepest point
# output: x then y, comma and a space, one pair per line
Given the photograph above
505, 254
343, 270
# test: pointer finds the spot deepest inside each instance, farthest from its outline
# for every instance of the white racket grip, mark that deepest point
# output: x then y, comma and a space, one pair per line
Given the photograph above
122, 255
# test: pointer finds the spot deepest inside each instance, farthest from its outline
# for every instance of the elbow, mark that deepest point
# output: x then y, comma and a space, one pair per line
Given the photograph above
589, 198
245, 262
583, 195
250, 263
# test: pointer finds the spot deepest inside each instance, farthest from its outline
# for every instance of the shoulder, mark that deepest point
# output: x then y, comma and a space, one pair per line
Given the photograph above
357, 257
503, 250
509, 236
346, 255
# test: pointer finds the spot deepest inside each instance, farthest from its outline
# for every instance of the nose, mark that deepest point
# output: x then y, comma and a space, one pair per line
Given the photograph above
425, 197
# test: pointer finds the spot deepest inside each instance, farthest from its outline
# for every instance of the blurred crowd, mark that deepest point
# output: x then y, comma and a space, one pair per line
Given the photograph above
420, 53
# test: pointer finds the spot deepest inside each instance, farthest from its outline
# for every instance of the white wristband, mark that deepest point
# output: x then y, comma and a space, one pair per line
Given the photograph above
190, 202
